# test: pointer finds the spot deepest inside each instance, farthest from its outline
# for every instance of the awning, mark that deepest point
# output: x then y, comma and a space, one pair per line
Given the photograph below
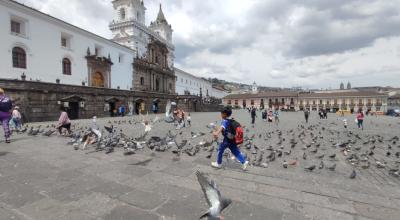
138, 100
112, 99
72, 98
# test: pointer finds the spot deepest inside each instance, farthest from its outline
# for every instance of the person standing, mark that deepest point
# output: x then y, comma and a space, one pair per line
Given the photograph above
17, 118
253, 115
5, 108
64, 121
264, 115
189, 120
360, 120
306, 114
228, 141
122, 110
276, 116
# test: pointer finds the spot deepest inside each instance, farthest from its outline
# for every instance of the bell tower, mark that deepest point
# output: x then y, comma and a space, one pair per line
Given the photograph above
128, 24
161, 27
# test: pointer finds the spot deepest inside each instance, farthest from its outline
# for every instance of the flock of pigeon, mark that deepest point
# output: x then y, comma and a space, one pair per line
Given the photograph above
318, 146
321, 146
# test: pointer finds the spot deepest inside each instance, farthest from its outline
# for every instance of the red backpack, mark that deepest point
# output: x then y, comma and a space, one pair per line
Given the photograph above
235, 133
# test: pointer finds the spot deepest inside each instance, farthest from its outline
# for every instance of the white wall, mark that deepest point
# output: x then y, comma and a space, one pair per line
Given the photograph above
186, 81
44, 52
219, 94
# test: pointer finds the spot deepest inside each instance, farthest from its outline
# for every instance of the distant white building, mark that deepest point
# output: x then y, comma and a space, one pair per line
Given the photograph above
187, 83
41, 47
219, 93
254, 88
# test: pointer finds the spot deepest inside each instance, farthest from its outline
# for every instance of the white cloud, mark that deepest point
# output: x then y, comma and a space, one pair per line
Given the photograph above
307, 43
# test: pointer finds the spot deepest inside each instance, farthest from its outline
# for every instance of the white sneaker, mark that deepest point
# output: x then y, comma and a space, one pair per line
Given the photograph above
216, 165
244, 166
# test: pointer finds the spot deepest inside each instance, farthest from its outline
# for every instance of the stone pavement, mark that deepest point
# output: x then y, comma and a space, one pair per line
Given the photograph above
43, 178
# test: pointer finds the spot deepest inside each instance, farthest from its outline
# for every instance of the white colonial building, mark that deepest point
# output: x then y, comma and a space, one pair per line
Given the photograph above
219, 93
188, 84
43, 48
129, 28
36, 46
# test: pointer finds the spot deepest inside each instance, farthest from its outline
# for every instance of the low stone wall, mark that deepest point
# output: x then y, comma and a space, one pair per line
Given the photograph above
40, 101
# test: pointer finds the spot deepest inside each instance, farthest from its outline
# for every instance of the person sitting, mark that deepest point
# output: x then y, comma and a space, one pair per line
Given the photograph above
64, 122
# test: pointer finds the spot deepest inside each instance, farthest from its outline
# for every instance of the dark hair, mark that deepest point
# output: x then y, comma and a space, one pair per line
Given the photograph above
227, 110
62, 108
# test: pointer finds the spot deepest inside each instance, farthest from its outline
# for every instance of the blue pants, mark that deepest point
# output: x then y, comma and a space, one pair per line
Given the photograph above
234, 149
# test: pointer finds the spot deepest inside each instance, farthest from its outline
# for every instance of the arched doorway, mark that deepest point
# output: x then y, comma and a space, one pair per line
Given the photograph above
139, 106
98, 80
155, 106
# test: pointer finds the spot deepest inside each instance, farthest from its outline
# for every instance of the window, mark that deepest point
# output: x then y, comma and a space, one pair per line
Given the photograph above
15, 27
63, 42
120, 58
170, 86
181, 80
18, 26
97, 50
19, 57
66, 66
137, 16
122, 13
141, 81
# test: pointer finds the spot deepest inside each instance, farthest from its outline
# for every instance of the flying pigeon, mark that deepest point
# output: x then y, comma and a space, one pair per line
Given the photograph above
213, 197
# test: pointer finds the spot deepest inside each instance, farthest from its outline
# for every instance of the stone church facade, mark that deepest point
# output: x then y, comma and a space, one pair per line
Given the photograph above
152, 72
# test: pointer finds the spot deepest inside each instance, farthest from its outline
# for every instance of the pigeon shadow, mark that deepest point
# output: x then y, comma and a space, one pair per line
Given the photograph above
3, 153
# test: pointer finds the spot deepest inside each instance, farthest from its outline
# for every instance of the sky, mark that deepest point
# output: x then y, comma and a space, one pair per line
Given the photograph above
278, 43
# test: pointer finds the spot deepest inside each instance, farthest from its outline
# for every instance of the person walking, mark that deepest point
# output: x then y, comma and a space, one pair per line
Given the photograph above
17, 118
228, 141
64, 121
360, 120
5, 108
306, 114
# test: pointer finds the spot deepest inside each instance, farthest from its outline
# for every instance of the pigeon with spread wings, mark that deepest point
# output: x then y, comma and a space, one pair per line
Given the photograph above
213, 197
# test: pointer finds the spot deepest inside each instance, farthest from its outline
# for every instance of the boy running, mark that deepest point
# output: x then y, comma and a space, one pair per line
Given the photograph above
228, 142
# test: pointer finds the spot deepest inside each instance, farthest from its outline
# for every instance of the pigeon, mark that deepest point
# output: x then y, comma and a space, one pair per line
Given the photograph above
310, 168
213, 197
321, 165
353, 174
109, 129
332, 167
